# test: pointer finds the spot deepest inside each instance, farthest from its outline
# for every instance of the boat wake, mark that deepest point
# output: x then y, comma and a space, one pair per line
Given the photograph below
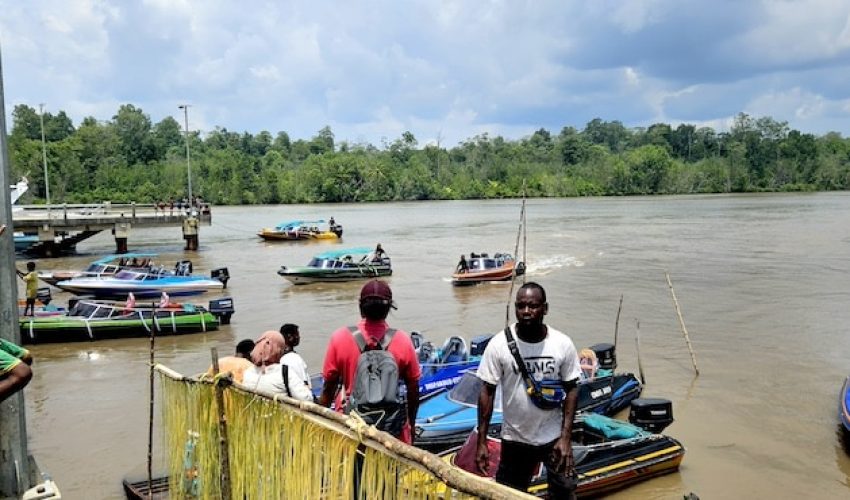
546, 265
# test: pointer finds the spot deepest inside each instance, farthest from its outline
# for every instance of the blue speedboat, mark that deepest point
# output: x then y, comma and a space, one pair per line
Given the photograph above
141, 284
844, 406
447, 418
108, 265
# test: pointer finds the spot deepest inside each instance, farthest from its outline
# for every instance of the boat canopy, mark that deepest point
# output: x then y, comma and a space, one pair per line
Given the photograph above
295, 224
108, 259
339, 254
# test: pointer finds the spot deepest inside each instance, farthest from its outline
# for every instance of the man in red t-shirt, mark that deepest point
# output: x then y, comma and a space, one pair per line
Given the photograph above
376, 299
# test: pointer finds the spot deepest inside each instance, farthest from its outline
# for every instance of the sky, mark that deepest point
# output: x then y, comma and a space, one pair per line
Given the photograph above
445, 71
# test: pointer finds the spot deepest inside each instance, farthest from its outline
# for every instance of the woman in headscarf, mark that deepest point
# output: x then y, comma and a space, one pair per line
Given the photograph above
266, 374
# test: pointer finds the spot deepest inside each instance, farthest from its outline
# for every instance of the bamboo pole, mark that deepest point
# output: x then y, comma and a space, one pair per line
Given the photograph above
682, 323
224, 478
151, 405
516, 254
637, 347
617, 322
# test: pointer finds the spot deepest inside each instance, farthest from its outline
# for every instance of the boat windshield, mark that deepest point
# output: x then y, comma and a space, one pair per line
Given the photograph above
95, 268
467, 390
483, 264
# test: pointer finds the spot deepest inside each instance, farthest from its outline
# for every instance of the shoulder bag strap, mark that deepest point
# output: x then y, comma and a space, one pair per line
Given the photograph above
284, 369
529, 382
388, 337
358, 337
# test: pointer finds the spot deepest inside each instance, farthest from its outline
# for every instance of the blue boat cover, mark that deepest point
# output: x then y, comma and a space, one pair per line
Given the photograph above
610, 428
336, 254
106, 259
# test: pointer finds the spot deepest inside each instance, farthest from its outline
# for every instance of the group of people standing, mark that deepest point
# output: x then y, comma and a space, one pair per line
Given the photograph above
531, 434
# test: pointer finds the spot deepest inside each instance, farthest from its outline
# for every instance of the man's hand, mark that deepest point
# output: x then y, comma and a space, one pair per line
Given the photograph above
562, 457
482, 457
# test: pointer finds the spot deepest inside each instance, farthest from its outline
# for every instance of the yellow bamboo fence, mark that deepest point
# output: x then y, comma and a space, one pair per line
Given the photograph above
279, 447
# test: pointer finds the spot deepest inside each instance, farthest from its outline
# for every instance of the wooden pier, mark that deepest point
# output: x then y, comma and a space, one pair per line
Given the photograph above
61, 227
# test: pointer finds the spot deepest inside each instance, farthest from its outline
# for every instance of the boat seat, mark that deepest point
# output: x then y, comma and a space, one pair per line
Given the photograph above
454, 350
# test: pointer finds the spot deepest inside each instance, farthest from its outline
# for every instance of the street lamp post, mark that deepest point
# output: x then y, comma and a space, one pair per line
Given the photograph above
185, 108
44, 158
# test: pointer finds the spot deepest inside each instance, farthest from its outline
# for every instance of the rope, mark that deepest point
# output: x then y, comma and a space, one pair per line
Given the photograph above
173, 322
142, 317
88, 327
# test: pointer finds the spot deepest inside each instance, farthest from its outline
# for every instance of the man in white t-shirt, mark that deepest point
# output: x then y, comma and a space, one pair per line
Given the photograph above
530, 435
293, 368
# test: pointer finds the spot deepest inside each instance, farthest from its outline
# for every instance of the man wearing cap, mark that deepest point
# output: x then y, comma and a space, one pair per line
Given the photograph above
376, 299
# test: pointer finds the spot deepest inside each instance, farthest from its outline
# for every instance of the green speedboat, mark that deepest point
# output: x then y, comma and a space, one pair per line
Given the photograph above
97, 319
340, 265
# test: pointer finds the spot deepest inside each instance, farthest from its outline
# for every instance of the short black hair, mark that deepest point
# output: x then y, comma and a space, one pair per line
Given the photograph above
245, 347
288, 329
532, 285
30, 266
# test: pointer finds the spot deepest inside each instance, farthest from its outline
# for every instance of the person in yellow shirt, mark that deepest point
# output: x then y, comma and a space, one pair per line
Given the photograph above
31, 280
237, 364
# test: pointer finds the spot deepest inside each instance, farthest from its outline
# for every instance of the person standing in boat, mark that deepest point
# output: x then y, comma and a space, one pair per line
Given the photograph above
296, 380
531, 434
343, 353
462, 266
379, 253
31, 280
15, 372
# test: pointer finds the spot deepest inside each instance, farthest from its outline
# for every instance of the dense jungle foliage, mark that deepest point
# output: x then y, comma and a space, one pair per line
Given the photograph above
131, 159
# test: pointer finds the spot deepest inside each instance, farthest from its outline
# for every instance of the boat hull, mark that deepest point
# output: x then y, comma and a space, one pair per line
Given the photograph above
52, 329
103, 288
272, 235
844, 408
474, 277
306, 275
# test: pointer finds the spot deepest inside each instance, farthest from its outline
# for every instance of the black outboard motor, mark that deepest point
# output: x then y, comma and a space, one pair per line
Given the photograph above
183, 268
520, 268
43, 294
337, 230
652, 414
222, 309
221, 274
605, 355
478, 343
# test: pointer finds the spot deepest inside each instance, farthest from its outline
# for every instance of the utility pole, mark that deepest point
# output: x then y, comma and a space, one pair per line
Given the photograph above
14, 462
185, 108
44, 158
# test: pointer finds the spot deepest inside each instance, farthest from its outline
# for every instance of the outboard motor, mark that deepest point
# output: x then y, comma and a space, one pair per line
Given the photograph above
337, 230
183, 268
222, 309
221, 274
417, 340
605, 355
478, 343
43, 294
453, 350
652, 414
520, 268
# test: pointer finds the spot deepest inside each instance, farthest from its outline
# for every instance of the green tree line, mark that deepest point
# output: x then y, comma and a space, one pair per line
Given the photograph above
129, 158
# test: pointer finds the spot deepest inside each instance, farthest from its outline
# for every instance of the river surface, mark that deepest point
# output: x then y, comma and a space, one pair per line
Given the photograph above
763, 282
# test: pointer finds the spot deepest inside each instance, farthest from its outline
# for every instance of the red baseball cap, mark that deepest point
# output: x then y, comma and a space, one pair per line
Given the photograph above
377, 289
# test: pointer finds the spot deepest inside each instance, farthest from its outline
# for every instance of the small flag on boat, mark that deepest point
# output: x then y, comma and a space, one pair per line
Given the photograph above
164, 301
131, 301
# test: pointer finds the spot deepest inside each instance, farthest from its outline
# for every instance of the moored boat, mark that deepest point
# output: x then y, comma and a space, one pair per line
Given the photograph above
302, 230
107, 266
447, 418
142, 284
482, 268
609, 455
95, 320
339, 265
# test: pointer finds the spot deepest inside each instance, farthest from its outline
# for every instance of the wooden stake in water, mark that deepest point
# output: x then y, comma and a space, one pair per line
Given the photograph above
617, 322
637, 347
222, 429
153, 329
682, 323
519, 233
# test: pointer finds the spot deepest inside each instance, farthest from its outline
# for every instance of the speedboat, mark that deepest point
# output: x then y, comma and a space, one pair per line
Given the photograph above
302, 230
609, 455
482, 268
445, 419
443, 367
105, 267
97, 319
339, 265
141, 284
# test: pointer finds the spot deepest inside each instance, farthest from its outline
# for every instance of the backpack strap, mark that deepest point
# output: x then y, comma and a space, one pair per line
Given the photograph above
361, 339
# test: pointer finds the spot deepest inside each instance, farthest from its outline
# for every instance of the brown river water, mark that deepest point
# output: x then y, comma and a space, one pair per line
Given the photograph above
762, 281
